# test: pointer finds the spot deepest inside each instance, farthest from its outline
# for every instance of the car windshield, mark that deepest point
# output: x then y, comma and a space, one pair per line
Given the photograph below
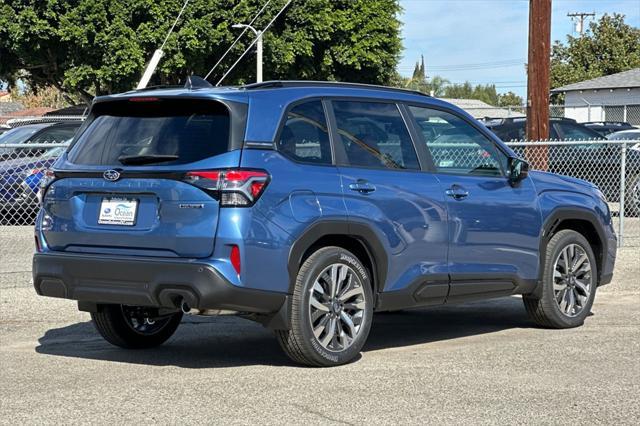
19, 134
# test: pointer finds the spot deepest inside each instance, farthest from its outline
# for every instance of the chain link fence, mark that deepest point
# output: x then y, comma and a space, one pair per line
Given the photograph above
614, 166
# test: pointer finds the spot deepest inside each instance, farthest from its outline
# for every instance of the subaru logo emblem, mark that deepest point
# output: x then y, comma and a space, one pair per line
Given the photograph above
111, 175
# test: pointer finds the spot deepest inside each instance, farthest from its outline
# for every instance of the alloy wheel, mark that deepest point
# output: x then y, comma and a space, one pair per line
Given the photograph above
572, 280
336, 307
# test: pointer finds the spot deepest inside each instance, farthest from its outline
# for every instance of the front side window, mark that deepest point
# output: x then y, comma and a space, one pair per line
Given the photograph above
305, 136
457, 147
374, 135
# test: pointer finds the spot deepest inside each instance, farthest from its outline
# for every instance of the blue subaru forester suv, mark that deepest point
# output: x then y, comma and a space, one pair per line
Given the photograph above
307, 207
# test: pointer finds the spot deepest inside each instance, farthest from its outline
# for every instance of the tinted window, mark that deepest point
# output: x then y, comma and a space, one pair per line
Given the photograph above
456, 146
182, 130
56, 134
374, 135
305, 136
571, 131
517, 131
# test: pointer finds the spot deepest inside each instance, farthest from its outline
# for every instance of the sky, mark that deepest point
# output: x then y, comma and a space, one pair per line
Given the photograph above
485, 41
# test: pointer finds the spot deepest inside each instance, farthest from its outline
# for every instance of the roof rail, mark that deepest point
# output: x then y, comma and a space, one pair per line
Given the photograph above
311, 83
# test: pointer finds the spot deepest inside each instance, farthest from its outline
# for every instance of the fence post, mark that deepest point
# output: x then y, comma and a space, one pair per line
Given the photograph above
623, 161
624, 113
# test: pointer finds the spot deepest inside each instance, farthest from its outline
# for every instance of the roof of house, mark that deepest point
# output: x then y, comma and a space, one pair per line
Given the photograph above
10, 107
621, 80
480, 109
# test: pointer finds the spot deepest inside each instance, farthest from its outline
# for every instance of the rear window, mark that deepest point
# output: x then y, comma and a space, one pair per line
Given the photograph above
159, 131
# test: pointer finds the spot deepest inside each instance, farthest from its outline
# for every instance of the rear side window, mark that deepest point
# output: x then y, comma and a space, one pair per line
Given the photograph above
56, 134
305, 137
374, 135
159, 131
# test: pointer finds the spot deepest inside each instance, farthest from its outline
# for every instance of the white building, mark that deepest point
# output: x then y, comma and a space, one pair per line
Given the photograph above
613, 97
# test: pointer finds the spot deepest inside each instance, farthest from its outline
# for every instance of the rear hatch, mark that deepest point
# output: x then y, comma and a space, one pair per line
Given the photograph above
122, 188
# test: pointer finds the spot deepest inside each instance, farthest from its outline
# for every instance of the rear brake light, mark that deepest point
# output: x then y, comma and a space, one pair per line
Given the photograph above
236, 188
144, 99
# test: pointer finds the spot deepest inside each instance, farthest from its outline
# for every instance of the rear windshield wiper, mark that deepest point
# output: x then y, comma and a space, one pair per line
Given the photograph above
146, 159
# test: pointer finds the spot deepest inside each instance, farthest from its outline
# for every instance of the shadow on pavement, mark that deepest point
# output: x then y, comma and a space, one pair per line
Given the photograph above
231, 341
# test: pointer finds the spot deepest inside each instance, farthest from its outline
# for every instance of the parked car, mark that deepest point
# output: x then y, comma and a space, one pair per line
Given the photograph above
607, 127
625, 135
514, 129
307, 207
41, 133
598, 163
20, 180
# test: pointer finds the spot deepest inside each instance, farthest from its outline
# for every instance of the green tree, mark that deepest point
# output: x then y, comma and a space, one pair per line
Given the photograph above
435, 85
510, 99
95, 47
609, 46
486, 93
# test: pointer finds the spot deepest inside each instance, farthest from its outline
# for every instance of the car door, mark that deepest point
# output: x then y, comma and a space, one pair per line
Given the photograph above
494, 227
385, 189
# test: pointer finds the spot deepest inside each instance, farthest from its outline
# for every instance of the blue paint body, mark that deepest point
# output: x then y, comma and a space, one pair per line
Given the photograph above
496, 231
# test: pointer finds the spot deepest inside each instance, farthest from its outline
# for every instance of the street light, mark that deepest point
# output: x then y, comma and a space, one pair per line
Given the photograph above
258, 48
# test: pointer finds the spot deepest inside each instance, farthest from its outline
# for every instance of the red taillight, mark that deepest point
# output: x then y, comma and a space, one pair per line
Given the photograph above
48, 176
237, 188
235, 258
38, 247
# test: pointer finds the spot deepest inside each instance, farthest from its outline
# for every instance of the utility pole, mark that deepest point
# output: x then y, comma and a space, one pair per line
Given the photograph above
538, 69
579, 18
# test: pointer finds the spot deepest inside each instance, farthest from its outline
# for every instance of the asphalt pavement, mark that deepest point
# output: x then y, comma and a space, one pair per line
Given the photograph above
477, 363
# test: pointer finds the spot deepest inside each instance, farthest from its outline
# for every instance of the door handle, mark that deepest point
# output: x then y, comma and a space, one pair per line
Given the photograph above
457, 192
362, 186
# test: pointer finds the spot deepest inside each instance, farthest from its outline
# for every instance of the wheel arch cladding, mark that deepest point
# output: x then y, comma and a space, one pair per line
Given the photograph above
359, 239
583, 222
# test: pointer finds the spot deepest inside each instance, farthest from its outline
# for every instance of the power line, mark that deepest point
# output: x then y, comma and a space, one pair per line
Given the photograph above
253, 43
237, 39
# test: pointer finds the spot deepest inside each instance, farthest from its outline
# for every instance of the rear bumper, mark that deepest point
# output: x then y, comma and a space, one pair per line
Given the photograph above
145, 282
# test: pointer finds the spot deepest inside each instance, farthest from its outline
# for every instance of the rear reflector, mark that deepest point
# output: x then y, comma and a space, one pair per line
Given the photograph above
235, 258
236, 188
38, 247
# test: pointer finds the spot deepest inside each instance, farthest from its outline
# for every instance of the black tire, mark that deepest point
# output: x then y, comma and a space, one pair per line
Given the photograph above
113, 324
300, 343
632, 196
545, 310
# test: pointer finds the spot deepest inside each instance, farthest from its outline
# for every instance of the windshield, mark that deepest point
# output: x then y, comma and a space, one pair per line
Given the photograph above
163, 132
18, 135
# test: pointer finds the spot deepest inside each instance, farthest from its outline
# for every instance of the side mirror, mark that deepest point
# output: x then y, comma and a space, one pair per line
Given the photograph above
518, 169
